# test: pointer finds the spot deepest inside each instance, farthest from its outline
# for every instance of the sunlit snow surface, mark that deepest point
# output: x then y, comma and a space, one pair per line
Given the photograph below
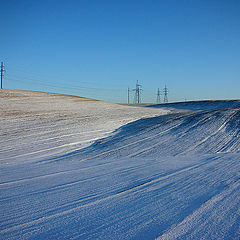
73, 168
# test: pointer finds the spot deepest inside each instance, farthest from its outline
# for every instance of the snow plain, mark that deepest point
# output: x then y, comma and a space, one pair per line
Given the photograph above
75, 168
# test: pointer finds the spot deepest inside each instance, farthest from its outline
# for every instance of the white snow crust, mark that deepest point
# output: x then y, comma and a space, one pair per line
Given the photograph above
77, 168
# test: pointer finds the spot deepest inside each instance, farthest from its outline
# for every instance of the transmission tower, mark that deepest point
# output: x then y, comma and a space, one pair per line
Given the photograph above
158, 96
2, 70
137, 97
165, 92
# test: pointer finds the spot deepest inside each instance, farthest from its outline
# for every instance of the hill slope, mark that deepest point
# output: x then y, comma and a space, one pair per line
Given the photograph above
191, 133
174, 176
199, 105
37, 124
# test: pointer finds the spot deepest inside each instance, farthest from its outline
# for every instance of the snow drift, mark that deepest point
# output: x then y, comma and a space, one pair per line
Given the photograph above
171, 176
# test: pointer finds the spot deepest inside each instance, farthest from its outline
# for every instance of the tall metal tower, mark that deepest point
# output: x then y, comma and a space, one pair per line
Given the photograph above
2, 70
158, 96
137, 97
165, 92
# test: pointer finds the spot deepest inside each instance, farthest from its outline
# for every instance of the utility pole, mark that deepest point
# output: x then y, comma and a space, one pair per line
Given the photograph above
165, 91
2, 70
137, 98
128, 95
158, 96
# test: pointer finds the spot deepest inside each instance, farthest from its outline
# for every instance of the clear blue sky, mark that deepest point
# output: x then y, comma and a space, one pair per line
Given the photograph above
97, 48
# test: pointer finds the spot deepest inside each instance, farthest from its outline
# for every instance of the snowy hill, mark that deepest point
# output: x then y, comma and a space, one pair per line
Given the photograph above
203, 132
199, 105
75, 168
37, 124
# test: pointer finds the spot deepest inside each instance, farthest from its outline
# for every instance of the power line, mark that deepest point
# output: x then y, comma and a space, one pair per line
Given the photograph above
64, 86
88, 93
85, 90
50, 77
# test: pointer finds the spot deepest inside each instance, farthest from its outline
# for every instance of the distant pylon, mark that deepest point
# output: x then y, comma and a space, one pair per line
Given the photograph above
165, 92
128, 95
2, 70
137, 97
158, 96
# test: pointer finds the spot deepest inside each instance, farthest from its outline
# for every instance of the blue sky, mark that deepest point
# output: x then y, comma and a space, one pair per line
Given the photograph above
97, 48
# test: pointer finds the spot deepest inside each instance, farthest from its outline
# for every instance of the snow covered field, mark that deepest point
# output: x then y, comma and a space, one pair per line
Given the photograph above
74, 168
35, 125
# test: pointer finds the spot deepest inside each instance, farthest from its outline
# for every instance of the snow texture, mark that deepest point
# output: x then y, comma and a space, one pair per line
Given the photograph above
76, 168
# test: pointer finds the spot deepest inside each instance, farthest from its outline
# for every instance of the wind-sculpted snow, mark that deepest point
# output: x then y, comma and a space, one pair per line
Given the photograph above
171, 135
174, 176
199, 105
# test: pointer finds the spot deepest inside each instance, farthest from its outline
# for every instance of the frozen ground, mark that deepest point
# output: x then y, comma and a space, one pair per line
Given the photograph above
35, 125
169, 176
